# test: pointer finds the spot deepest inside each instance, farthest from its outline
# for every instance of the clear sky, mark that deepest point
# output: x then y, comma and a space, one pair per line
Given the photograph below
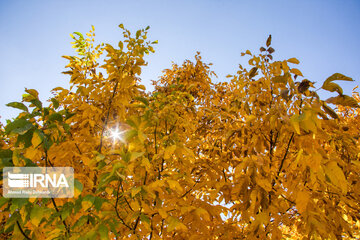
323, 35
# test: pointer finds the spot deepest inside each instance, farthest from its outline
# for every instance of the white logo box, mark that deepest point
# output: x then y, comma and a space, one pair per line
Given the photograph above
38, 182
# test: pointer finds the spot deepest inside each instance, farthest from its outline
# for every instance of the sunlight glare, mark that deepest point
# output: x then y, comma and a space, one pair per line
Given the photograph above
115, 134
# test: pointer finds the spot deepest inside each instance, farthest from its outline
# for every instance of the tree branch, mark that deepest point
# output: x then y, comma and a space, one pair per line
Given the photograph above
286, 152
116, 209
63, 221
22, 231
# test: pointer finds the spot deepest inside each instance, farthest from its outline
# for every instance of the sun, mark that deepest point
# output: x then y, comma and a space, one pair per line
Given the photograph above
116, 134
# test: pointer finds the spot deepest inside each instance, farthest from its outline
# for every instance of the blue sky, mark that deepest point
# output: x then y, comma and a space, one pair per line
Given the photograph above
323, 35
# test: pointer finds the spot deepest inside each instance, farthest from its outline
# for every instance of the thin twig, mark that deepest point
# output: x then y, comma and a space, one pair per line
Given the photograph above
286, 152
116, 209
63, 221
22, 231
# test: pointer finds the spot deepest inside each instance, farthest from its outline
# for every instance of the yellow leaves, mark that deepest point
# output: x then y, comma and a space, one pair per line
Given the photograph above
293, 60
37, 138
16, 234
343, 100
250, 118
296, 72
202, 213
135, 155
329, 110
332, 87
294, 120
87, 202
146, 163
220, 143
280, 79
264, 183
246, 52
307, 121
175, 224
32, 92
308, 125
314, 161
86, 205
302, 200
276, 233
336, 176
88, 161
163, 213
187, 209
36, 215
135, 191
175, 186
169, 151
16, 157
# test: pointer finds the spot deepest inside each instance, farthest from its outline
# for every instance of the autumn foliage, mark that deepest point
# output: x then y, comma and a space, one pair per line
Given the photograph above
257, 156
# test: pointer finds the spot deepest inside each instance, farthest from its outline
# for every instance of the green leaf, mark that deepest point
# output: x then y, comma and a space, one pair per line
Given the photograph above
99, 157
55, 102
18, 203
66, 210
36, 102
82, 220
78, 187
3, 201
56, 117
91, 235
143, 100
98, 203
138, 33
27, 97
103, 232
6, 157
79, 34
47, 143
121, 45
332, 87
19, 126
18, 105
25, 138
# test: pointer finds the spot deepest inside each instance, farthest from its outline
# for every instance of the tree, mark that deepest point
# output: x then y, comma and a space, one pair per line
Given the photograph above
258, 156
